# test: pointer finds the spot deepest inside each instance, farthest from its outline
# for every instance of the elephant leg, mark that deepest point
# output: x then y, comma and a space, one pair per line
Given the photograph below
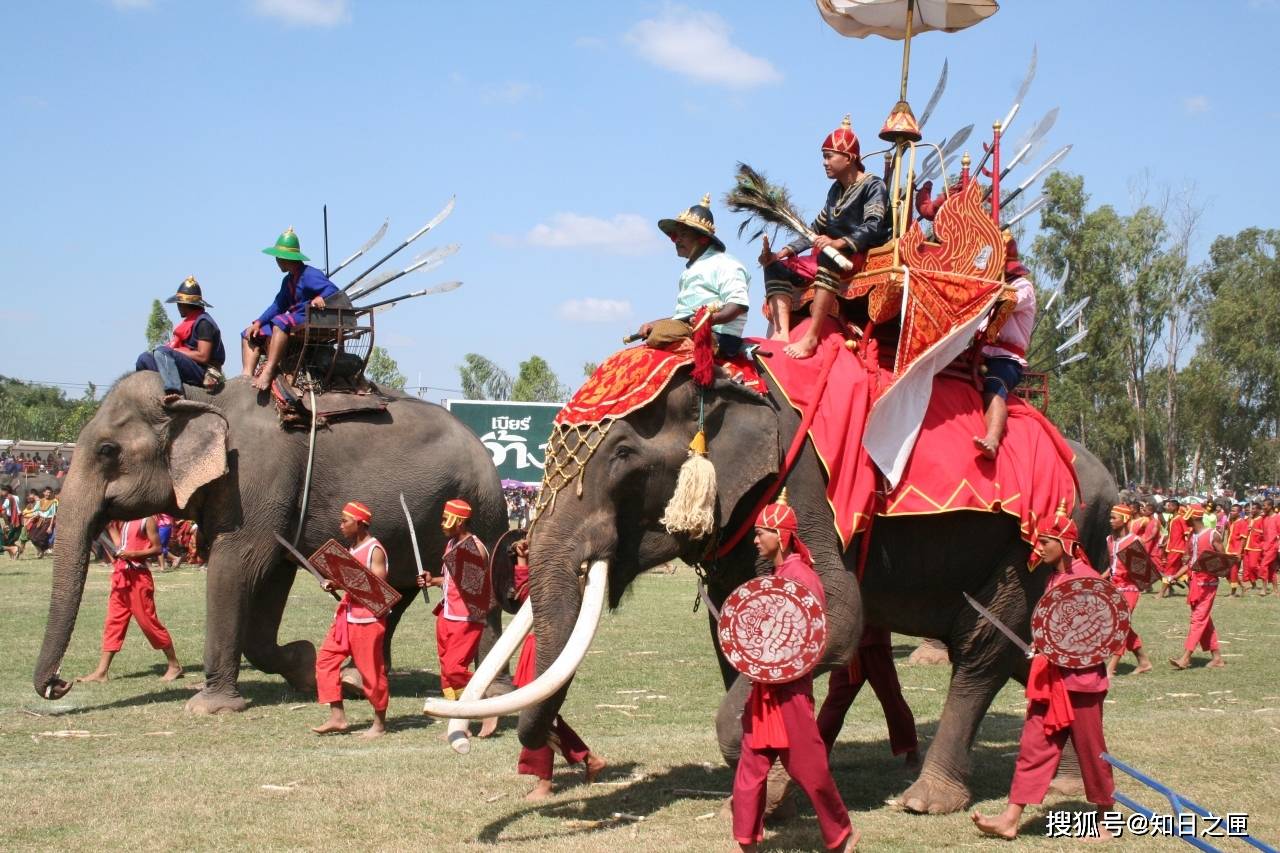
226, 609
407, 598
295, 661
982, 661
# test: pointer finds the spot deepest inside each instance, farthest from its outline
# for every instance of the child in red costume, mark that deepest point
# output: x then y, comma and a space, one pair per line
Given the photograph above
133, 596
357, 633
464, 605
778, 722
1200, 595
1237, 532
538, 762
1061, 703
1117, 541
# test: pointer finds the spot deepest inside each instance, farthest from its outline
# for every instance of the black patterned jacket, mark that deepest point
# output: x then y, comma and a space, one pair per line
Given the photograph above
859, 215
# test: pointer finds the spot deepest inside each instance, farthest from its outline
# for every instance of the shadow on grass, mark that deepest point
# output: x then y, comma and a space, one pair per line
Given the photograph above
255, 693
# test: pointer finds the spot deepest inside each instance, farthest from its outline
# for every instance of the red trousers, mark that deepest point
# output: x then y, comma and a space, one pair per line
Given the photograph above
1253, 566
564, 740
805, 759
1233, 574
363, 644
457, 643
1173, 562
874, 664
1039, 754
1132, 642
1202, 633
133, 595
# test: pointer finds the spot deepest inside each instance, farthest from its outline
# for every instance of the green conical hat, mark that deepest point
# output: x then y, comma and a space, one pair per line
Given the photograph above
286, 247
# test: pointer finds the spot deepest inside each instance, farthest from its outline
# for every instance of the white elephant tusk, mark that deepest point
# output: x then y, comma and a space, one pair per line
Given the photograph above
519, 627
556, 675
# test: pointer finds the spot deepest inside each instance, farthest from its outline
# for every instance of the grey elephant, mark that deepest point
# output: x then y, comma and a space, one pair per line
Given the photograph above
224, 461
609, 531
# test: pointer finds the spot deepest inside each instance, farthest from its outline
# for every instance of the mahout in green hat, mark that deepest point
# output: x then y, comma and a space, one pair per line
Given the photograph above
286, 247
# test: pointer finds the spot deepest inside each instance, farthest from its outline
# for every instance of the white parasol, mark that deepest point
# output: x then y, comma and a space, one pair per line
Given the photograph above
888, 18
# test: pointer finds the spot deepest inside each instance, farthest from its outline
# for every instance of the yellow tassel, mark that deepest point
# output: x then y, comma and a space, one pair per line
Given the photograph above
692, 508
699, 443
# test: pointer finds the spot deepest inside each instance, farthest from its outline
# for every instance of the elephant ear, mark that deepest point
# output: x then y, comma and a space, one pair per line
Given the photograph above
742, 443
197, 447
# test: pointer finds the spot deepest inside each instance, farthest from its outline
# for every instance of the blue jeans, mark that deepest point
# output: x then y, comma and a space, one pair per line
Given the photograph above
174, 368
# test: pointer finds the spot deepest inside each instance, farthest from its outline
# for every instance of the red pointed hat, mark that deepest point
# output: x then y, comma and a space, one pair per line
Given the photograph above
358, 511
843, 140
781, 518
456, 510
1061, 528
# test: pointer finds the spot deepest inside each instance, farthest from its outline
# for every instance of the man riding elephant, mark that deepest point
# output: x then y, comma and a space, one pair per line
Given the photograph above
301, 286
196, 349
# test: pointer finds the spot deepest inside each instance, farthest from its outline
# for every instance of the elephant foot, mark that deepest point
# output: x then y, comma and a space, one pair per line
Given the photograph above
352, 683
935, 795
929, 653
298, 665
205, 702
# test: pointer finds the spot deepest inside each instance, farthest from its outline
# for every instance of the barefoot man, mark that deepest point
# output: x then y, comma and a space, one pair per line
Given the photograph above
301, 285
778, 722
1201, 594
355, 633
1117, 541
133, 596
1006, 358
563, 739
1061, 703
854, 218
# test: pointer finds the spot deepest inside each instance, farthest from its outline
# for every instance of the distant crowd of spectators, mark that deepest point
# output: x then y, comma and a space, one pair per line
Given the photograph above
520, 501
30, 464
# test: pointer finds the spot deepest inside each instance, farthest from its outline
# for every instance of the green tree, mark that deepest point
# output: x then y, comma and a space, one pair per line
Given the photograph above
383, 370
589, 369
537, 382
159, 328
42, 413
482, 379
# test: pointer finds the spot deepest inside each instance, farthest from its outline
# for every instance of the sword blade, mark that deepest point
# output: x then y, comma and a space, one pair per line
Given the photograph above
305, 563
936, 96
413, 537
1031, 208
1046, 166
436, 220
427, 260
1000, 626
1017, 104
390, 303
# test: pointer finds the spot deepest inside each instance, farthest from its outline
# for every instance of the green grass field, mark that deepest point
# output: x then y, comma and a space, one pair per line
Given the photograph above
141, 774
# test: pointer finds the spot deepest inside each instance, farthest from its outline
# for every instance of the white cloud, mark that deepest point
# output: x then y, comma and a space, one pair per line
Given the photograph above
696, 44
305, 13
510, 92
625, 234
592, 310
1196, 104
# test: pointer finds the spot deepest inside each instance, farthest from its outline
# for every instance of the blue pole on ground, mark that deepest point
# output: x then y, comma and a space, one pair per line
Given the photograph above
1178, 803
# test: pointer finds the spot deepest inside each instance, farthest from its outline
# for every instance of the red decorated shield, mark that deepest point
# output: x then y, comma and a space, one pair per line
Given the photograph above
772, 630
1215, 563
1080, 623
1143, 570
366, 589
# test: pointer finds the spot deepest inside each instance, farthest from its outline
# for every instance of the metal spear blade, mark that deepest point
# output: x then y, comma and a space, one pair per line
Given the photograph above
1035, 176
1077, 357
369, 244
1031, 208
999, 626
1073, 312
387, 304
1017, 104
1053, 297
1072, 341
428, 260
436, 220
949, 147
937, 95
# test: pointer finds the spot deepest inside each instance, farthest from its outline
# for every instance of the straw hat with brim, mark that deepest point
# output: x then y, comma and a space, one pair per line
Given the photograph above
286, 247
698, 218
189, 294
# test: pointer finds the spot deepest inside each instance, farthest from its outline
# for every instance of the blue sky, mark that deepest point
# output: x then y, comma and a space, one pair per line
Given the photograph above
146, 140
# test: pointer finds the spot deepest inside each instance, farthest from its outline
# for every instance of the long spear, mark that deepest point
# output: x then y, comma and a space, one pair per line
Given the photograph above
427, 291
936, 96
369, 244
1017, 105
436, 220
427, 260
1046, 166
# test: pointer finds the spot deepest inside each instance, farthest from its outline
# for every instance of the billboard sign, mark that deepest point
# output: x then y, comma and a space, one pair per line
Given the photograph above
514, 433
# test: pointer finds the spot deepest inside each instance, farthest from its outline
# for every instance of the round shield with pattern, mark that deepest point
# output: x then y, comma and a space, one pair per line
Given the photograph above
772, 630
1080, 623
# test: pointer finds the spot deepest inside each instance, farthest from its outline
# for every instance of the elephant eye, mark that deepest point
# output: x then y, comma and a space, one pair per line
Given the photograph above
109, 450
623, 451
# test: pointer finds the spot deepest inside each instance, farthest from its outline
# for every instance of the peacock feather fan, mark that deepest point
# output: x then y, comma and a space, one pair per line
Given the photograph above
766, 205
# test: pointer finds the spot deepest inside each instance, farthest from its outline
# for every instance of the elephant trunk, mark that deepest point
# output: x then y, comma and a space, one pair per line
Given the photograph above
78, 523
